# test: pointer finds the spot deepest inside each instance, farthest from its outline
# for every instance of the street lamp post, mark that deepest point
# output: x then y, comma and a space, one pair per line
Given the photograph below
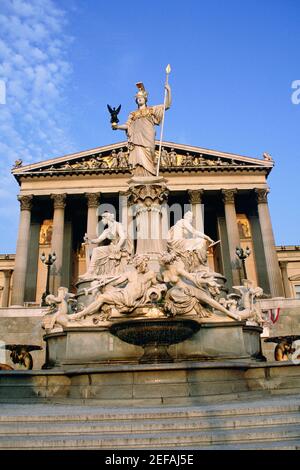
243, 255
48, 262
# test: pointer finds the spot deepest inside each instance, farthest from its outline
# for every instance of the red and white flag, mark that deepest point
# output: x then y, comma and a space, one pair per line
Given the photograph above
274, 314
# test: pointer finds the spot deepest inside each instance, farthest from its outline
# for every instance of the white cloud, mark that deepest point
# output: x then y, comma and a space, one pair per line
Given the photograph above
35, 68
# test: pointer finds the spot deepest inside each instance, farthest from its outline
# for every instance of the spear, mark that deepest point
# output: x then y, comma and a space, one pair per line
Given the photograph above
168, 70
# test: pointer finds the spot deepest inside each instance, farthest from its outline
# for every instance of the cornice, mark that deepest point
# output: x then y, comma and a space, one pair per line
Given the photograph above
180, 147
122, 171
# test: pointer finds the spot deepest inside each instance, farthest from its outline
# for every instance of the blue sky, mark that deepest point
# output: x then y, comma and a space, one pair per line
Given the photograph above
233, 64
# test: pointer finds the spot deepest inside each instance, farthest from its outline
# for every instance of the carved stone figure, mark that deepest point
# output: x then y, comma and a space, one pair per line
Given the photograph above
188, 243
18, 163
267, 156
187, 160
67, 166
141, 132
110, 259
94, 163
125, 293
164, 157
122, 159
114, 159
244, 303
103, 163
59, 309
191, 293
173, 157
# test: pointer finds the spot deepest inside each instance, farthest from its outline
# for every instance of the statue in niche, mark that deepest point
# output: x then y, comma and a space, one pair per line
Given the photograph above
141, 132
123, 293
112, 258
191, 293
244, 227
46, 232
188, 243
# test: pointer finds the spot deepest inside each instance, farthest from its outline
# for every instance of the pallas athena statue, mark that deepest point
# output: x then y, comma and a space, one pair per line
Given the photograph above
141, 131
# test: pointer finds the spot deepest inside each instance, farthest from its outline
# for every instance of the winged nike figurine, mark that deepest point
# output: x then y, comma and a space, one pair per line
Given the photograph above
114, 113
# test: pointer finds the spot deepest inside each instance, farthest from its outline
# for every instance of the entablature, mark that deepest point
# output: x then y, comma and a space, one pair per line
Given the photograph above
112, 161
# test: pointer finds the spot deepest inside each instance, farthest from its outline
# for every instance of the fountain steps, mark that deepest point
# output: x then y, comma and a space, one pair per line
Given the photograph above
261, 424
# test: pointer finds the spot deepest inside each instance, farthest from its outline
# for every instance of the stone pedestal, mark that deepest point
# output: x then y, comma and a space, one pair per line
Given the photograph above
146, 196
91, 346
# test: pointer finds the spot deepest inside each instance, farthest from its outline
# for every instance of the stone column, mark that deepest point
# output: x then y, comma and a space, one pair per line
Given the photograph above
232, 233
285, 279
146, 200
126, 214
59, 203
6, 288
196, 205
93, 200
273, 269
22, 251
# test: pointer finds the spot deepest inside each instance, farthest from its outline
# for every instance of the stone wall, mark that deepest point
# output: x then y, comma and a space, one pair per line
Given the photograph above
22, 326
287, 324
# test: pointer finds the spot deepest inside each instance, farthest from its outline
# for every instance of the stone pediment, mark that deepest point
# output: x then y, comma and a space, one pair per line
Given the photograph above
114, 159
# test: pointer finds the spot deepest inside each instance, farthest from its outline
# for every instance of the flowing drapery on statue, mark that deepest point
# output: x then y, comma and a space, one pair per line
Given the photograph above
141, 139
112, 258
188, 243
141, 132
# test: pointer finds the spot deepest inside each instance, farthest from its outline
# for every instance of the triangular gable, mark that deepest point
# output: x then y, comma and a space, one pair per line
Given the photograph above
114, 158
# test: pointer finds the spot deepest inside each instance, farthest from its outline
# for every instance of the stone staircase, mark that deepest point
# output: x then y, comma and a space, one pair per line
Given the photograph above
272, 423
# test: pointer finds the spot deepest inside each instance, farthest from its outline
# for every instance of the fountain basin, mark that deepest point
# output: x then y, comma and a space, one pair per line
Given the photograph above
155, 336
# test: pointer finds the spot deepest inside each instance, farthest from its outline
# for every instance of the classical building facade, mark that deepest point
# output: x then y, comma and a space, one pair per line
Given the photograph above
289, 262
61, 200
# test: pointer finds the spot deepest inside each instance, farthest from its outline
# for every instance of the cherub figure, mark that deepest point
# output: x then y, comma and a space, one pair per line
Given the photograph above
59, 309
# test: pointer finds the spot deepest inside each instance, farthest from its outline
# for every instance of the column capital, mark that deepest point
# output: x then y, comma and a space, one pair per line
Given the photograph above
59, 200
7, 273
25, 202
283, 264
228, 195
92, 199
261, 195
195, 195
